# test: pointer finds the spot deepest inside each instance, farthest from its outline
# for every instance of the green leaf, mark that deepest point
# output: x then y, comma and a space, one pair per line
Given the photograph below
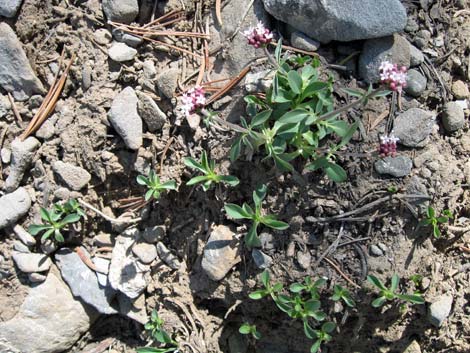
148, 195
71, 218
35, 229
294, 116
314, 87
265, 278
163, 337
395, 281
376, 282
259, 194
278, 51
261, 118
353, 92
296, 287
347, 137
442, 219
282, 164
45, 215
236, 212
379, 94
377, 303
339, 126
230, 180
436, 231
318, 315
235, 149
309, 331
169, 185
245, 329
412, 298
430, 212
336, 173
348, 300
198, 179
192, 163
141, 180
154, 350
251, 239
315, 347
295, 81
259, 294
47, 234
271, 222
312, 305
256, 335
307, 72
328, 327
247, 208
58, 236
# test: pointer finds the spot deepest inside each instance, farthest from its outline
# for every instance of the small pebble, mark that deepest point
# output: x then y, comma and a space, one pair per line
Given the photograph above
453, 117
145, 252
24, 236
440, 310
120, 52
460, 90
153, 234
304, 259
20, 247
375, 250
262, 260
36, 277
416, 83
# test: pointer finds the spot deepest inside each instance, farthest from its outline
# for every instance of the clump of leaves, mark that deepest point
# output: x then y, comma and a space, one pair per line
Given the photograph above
155, 187
341, 293
159, 335
303, 303
56, 219
434, 221
247, 329
256, 215
390, 294
207, 167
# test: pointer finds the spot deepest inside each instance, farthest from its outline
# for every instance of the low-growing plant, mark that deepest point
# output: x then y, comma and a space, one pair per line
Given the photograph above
435, 221
390, 294
247, 329
155, 187
341, 293
159, 335
56, 219
301, 303
256, 215
207, 167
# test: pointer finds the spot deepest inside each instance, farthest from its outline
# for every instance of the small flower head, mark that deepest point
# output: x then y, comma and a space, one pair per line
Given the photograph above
258, 36
193, 100
393, 76
388, 145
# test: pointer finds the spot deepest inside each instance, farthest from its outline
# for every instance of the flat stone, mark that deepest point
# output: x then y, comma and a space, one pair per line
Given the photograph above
301, 41
126, 273
395, 49
124, 11
131, 40
375, 250
439, 310
145, 252
16, 74
9, 8
28, 263
20, 247
14, 206
24, 236
395, 166
121, 52
125, 119
167, 82
76, 178
453, 117
103, 239
221, 253
340, 20
415, 83
22, 153
83, 282
460, 90
262, 261
101, 264
154, 234
5, 106
413, 127
49, 320
167, 256
150, 112
416, 56
133, 308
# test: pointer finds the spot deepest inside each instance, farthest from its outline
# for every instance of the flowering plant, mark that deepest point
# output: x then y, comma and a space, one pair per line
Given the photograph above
193, 100
388, 145
258, 36
393, 76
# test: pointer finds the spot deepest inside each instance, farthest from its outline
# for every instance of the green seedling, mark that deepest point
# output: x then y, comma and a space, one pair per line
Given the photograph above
159, 335
434, 221
155, 187
416, 279
390, 294
56, 219
210, 177
341, 293
268, 288
320, 336
247, 329
247, 212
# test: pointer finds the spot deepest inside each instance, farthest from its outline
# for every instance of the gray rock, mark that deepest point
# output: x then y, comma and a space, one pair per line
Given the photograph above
154, 234
49, 320
46, 131
20, 247
460, 90
301, 41
416, 56
416, 186
453, 117
48, 246
125, 119
267, 241
31, 262
422, 38
327, 20
167, 257
375, 250
5, 155
22, 153
440, 310
258, 81
24, 236
398, 166
83, 282
413, 127
103, 239
167, 82
395, 49
133, 308
415, 83
36, 277
14, 206
101, 264
124, 11
304, 258
150, 112
5, 105
76, 178
126, 274
102, 36
131, 40
145, 252
221, 253
8, 8
16, 74
121, 52
262, 261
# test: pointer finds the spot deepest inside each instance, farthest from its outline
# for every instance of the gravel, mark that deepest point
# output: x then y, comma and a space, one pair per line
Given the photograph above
76, 178
453, 117
415, 83
416, 56
414, 126
22, 153
460, 90
395, 166
14, 206
167, 82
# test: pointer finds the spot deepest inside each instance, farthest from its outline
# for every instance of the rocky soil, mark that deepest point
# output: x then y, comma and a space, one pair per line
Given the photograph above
119, 116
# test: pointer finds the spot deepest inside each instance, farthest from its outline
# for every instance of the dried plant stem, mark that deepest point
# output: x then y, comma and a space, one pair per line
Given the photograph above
229, 85
15, 110
218, 12
110, 219
341, 272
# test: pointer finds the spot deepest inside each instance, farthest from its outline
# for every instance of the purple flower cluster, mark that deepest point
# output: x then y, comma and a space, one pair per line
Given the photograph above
258, 36
393, 76
388, 146
193, 100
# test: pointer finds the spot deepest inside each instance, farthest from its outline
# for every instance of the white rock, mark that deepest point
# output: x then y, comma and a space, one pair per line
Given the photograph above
29, 263
440, 310
121, 52
145, 252
24, 236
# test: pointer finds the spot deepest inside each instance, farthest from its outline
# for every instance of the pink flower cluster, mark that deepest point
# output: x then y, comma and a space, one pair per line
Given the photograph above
393, 76
258, 36
388, 145
193, 100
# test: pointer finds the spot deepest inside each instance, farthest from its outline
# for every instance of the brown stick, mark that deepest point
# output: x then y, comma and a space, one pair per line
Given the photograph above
218, 12
341, 272
229, 85
13, 107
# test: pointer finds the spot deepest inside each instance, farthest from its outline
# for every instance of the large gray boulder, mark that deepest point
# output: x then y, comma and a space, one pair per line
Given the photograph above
16, 74
327, 20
